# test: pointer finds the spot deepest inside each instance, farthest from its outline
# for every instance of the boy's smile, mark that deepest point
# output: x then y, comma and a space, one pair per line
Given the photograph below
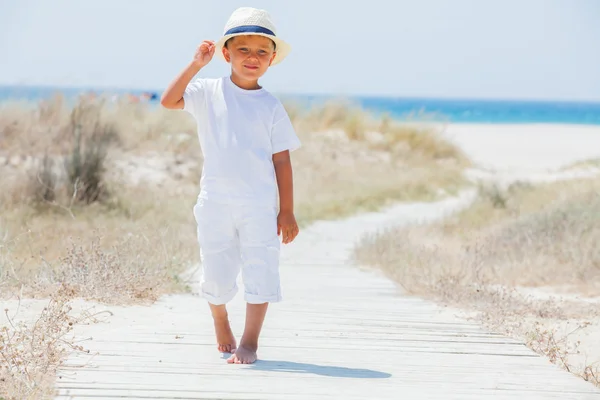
250, 56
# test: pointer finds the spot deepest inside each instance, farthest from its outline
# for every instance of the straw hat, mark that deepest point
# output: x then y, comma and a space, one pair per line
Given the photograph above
252, 21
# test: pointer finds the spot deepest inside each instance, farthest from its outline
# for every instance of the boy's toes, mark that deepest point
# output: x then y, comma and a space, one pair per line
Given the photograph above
243, 355
226, 348
235, 359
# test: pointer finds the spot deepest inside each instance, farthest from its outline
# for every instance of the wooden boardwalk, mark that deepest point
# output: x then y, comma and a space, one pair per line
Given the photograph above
342, 332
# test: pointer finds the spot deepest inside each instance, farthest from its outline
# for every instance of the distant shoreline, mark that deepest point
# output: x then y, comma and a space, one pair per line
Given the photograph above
77, 90
445, 110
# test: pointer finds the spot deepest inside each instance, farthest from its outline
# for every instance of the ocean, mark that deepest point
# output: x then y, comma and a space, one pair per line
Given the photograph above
447, 110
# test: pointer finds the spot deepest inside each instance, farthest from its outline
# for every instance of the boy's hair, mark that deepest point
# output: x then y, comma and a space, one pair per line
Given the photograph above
229, 40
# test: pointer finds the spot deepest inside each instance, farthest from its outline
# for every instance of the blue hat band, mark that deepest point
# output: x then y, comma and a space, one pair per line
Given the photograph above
250, 29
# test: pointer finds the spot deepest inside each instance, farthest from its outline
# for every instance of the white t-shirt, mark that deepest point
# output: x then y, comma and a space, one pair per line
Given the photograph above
239, 131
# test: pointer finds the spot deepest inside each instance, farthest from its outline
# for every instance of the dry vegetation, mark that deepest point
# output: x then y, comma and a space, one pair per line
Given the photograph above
505, 258
593, 163
96, 203
352, 161
32, 352
93, 195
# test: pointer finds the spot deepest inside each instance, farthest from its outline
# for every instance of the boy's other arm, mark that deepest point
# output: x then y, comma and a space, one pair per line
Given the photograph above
286, 221
172, 98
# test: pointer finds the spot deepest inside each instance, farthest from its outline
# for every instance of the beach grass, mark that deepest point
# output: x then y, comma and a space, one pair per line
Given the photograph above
550, 228
495, 256
97, 202
584, 164
74, 187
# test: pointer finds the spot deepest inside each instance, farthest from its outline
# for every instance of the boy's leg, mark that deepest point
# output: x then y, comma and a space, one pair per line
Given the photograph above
220, 266
260, 246
225, 337
246, 353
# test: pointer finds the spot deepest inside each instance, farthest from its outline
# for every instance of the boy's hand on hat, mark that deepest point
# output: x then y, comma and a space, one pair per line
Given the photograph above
204, 53
287, 227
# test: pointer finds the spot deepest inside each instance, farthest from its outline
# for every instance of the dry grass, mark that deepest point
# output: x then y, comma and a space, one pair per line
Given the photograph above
405, 138
351, 161
483, 257
560, 349
31, 351
95, 197
121, 252
552, 230
70, 211
347, 177
33, 130
584, 164
129, 250
63, 221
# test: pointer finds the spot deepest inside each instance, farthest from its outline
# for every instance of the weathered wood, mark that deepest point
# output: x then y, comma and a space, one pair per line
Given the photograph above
342, 332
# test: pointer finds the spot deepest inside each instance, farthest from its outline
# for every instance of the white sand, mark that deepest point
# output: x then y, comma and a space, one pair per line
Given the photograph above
505, 154
526, 148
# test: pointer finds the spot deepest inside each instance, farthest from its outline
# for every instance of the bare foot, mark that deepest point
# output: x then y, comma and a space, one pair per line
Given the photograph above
225, 339
243, 355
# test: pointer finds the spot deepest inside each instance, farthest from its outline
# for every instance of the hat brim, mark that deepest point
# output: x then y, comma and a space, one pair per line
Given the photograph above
282, 48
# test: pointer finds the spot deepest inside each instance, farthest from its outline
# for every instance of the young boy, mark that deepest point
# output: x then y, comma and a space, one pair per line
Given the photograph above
246, 137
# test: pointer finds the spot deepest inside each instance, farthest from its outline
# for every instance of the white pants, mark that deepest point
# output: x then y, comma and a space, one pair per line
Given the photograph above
238, 237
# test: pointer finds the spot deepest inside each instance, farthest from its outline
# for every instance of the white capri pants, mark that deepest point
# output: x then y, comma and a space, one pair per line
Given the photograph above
234, 238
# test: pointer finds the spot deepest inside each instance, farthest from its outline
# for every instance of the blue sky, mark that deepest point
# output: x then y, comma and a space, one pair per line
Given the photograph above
516, 49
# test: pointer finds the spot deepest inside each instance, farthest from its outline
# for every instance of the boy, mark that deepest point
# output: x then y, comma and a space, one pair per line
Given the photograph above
246, 138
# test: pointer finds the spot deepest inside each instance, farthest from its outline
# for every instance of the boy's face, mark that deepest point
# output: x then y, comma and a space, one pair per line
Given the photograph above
250, 56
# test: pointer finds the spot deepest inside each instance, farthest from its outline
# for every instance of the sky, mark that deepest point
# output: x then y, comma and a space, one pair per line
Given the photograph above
508, 49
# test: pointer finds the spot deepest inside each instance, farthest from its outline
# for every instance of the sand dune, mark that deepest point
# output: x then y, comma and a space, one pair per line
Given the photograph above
526, 148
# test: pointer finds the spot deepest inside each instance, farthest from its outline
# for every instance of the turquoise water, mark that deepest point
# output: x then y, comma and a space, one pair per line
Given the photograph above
463, 111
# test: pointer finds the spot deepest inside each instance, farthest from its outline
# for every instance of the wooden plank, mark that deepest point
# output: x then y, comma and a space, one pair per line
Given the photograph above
341, 332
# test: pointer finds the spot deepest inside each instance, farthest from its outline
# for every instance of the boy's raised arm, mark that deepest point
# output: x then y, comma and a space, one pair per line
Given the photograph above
172, 98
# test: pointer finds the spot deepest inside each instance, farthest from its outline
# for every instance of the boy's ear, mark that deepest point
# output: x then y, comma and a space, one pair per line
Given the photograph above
272, 58
226, 54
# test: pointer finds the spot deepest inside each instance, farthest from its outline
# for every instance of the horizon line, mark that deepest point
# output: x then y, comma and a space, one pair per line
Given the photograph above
322, 95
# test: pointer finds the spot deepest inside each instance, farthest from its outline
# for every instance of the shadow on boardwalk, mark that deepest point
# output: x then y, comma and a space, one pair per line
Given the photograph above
324, 370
